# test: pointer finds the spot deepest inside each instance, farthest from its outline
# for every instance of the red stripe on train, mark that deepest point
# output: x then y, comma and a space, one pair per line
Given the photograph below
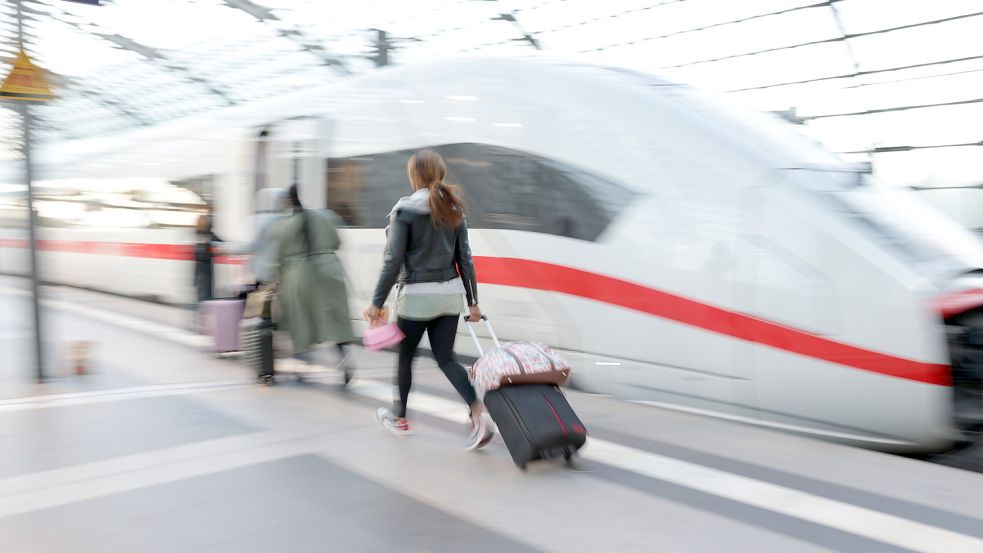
536, 275
178, 252
556, 278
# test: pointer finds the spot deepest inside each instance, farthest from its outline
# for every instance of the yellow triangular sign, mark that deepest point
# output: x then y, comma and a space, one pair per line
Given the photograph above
25, 81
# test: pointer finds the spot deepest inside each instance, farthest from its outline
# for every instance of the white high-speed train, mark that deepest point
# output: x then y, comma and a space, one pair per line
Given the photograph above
680, 251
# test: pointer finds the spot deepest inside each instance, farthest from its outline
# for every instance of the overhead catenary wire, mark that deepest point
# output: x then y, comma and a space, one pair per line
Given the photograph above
916, 78
824, 4
895, 149
576, 24
970, 186
830, 40
858, 74
616, 15
892, 109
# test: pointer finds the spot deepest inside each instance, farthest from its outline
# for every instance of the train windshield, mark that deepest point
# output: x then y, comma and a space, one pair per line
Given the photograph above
898, 219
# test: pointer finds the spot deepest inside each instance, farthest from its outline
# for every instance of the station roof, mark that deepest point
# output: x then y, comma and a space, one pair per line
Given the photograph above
896, 82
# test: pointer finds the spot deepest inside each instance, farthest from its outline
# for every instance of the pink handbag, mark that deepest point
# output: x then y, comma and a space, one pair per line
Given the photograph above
382, 336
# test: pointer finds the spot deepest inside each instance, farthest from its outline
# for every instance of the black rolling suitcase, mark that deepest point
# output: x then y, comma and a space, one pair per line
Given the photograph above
258, 346
535, 420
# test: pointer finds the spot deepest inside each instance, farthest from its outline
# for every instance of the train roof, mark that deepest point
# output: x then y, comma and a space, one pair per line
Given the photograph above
547, 89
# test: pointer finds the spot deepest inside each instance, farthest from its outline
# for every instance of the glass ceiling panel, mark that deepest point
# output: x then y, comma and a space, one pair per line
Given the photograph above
936, 167
954, 39
940, 89
860, 16
923, 127
134, 63
563, 14
805, 63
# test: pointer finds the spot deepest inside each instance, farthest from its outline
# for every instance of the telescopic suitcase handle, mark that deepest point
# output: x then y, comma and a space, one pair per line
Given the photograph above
477, 344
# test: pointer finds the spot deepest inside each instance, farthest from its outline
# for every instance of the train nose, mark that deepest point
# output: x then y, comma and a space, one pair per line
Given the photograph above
963, 315
966, 359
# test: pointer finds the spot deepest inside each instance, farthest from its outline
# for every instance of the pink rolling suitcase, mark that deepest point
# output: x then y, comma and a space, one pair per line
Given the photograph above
221, 319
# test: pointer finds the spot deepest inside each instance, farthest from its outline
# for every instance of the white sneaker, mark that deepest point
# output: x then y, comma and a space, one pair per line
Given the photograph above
479, 436
392, 423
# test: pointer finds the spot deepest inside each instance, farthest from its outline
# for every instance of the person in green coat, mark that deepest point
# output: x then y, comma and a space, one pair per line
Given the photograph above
312, 292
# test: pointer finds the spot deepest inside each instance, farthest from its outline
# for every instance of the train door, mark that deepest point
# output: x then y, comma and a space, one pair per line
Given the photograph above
296, 150
789, 297
676, 250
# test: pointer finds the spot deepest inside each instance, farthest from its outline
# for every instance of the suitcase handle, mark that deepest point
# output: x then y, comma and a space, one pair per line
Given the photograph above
477, 344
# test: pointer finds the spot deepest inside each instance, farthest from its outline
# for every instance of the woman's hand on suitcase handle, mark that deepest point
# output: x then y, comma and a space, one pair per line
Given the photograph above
475, 314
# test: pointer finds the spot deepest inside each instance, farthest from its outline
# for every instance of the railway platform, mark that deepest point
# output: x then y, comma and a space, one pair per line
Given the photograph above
162, 447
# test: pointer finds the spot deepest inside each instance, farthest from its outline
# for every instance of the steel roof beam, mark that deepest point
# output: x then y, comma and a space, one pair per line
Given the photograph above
147, 52
266, 16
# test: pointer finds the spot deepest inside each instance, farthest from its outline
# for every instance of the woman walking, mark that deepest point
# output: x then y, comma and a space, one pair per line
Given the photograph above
312, 293
427, 251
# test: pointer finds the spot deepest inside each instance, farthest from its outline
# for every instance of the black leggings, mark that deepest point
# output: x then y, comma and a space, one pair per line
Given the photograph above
442, 332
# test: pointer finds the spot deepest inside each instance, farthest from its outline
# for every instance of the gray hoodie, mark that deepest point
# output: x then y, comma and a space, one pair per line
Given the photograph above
270, 203
417, 202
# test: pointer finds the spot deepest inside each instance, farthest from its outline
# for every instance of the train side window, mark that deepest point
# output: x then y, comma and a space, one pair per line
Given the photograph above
363, 189
502, 189
509, 189
582, 204
344, 180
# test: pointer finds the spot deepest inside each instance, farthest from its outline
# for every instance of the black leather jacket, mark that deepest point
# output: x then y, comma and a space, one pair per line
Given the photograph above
419, 251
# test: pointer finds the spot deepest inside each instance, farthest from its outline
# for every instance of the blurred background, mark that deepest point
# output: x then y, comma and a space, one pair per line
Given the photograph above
751, 227
887, 83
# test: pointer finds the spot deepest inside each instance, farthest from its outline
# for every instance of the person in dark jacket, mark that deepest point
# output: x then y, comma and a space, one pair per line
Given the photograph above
427, 251
205, 239
204, 278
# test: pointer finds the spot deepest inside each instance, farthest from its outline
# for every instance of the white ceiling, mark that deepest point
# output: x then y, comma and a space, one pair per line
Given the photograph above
139, 62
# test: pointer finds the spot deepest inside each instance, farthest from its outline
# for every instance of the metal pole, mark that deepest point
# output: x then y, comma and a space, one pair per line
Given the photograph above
32, 219
20, 24
32, 236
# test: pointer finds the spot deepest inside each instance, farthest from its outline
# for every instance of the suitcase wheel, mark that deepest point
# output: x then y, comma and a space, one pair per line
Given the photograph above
569, 455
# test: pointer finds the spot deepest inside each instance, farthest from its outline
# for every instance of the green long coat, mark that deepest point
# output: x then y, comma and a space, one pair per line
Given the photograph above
313, 296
